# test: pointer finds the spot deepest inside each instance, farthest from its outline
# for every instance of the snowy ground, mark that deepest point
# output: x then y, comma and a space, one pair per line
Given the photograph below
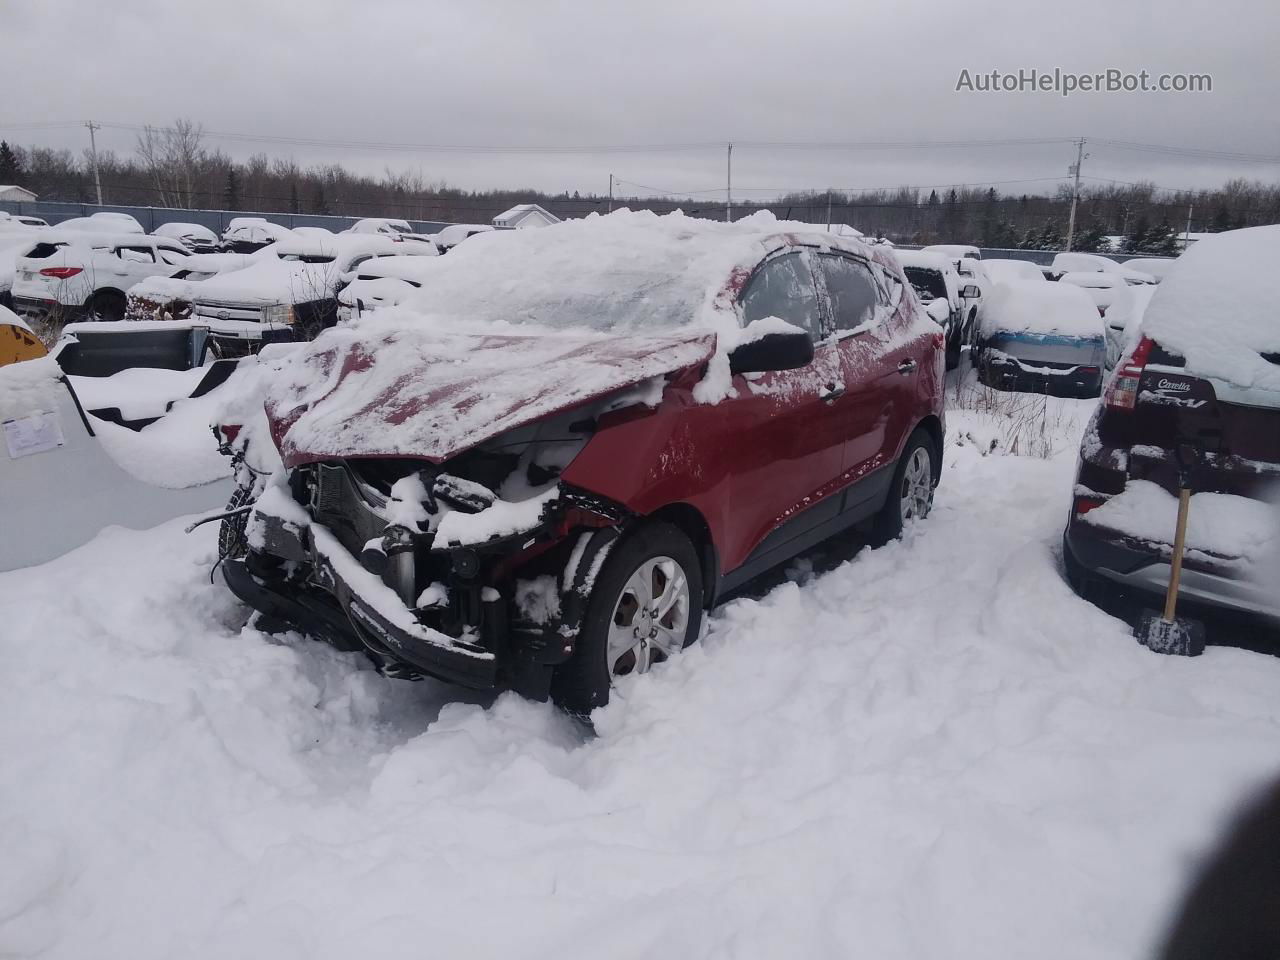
933, 750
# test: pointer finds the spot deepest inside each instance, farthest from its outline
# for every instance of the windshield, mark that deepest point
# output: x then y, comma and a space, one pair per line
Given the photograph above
928, 284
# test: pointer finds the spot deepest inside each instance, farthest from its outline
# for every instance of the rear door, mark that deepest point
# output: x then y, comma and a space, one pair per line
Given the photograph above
880, 366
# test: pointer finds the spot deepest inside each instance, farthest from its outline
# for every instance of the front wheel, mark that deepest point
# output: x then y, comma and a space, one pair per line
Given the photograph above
107, 306
645, 607
911, 493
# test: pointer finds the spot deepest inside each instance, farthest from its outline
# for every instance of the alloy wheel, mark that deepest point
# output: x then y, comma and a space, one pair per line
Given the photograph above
650, 618
917, 485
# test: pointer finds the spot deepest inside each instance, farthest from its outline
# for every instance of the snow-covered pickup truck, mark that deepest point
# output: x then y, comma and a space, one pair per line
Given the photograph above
291, 296
170, 297
72, 276
382, 282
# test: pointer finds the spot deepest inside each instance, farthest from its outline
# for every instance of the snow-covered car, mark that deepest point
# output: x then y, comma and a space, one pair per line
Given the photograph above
1096, 263
382, 282
1197, 394
312, 233
19, 221
1157, 267
194, 236
954, 251
1123, 318
950, 302
13, 244
540, 471
289, 296
169, 297
449, 237
247, 234
1041, 337
1001, 270
104, 221
1102, 288
73, 276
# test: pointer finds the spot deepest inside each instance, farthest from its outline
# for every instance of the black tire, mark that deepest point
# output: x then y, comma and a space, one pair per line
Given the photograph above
105, 306
233, 541
584, 681
893, 515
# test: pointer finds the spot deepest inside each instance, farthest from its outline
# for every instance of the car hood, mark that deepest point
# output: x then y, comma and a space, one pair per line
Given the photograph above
272, 281
431, 395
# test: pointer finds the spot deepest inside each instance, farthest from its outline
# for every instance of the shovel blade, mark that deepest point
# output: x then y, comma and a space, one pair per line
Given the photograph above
1181, 637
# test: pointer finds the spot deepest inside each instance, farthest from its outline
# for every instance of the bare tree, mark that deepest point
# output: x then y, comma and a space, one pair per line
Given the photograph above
173, 157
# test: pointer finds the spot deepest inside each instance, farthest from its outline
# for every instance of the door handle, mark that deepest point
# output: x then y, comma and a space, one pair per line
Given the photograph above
832, 392
906, 366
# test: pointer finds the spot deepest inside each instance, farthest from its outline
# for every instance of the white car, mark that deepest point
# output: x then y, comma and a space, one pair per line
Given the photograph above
104, 221
196, 237
292, 296
455, 233
1123, 320
382, 282
247, 234
86, 275
1102, 288
1158, 267
1096, 263
19, 221
313, 233
945, 295
1003, 271
954, 251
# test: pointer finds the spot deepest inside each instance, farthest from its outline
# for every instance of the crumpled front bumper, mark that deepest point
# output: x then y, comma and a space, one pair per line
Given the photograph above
1007, 373
344, 603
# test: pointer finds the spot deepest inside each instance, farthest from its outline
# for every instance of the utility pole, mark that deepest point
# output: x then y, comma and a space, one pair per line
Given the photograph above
610, 193
93, 156
1074, 169
1186, 237
828, 209
728, 184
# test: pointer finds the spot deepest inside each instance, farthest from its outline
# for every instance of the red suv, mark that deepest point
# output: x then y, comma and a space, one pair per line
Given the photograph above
542, 473
1195, 400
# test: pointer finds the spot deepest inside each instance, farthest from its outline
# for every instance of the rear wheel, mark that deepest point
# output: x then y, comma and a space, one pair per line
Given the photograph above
645, 607
911, 493
106, 306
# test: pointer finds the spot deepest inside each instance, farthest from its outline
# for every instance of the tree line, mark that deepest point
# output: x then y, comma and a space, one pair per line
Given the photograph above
173, 167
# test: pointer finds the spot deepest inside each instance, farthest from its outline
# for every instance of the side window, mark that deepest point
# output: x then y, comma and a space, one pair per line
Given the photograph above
890, 289
854, 293
783, 288
171, 257
136, 254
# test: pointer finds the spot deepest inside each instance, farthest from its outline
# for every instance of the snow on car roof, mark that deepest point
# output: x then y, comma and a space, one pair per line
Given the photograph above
625, 271
179, 229
1029, 306
397, 267
1001, 270
923, 258
457, 232
1218, 309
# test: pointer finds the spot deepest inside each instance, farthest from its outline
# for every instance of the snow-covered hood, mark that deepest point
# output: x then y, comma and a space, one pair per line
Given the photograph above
272, 281
366, 391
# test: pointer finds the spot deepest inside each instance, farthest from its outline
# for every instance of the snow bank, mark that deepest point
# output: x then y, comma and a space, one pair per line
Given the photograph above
139, 392
1218, 309
28, 387
1217, 523
1047, 309
935, 750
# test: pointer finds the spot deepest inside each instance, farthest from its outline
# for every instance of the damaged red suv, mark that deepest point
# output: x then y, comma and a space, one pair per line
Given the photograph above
543, 472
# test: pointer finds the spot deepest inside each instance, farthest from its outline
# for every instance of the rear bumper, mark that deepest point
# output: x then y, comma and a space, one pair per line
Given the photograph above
1147, 572
1008, 374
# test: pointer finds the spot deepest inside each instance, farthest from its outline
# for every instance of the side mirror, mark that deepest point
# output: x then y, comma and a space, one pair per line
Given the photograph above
971, 291
772, 351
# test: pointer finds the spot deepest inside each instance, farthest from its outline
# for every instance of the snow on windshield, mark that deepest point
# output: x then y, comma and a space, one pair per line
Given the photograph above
1027, 306
1218, 309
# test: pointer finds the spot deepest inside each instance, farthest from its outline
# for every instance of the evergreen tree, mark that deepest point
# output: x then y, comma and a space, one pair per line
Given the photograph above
1221, 217
10, 165
1162, 240
1092, 239
1136, 240
231, 192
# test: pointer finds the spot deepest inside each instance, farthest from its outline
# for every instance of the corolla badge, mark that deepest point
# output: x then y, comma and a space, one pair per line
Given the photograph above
1179, 385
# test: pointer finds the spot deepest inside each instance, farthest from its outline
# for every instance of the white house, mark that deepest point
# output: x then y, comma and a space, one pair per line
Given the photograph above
9, 191
524, 215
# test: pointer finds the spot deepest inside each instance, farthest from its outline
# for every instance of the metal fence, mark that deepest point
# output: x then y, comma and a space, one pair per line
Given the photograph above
55, 211
1042, 258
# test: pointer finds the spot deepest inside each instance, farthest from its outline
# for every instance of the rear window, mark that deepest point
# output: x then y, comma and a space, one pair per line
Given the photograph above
42, 251
307, 258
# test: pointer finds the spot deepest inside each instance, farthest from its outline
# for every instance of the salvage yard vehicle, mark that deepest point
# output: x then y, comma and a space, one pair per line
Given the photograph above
1000, 270
1096, 263
247, 234
1103, 288
954, 251
65, 276
1041, 337
382, 282
540, 471
452, 235
1200, 387
104, 221
170, 297
194, 236
934, 278
289, 296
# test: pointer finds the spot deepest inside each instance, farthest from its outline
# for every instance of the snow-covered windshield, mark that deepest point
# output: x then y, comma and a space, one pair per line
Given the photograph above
928, 284
308, 257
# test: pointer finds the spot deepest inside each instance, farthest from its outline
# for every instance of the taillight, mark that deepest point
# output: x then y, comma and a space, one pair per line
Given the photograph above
1084, 504
61, 273
1122, 391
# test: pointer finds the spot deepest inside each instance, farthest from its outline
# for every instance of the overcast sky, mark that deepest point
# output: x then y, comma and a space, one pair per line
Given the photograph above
539, 73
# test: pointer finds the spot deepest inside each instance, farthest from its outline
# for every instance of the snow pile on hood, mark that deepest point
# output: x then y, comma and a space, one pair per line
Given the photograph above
379, 388
1217, 523
1002, 271
1219, 309
1044, 309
